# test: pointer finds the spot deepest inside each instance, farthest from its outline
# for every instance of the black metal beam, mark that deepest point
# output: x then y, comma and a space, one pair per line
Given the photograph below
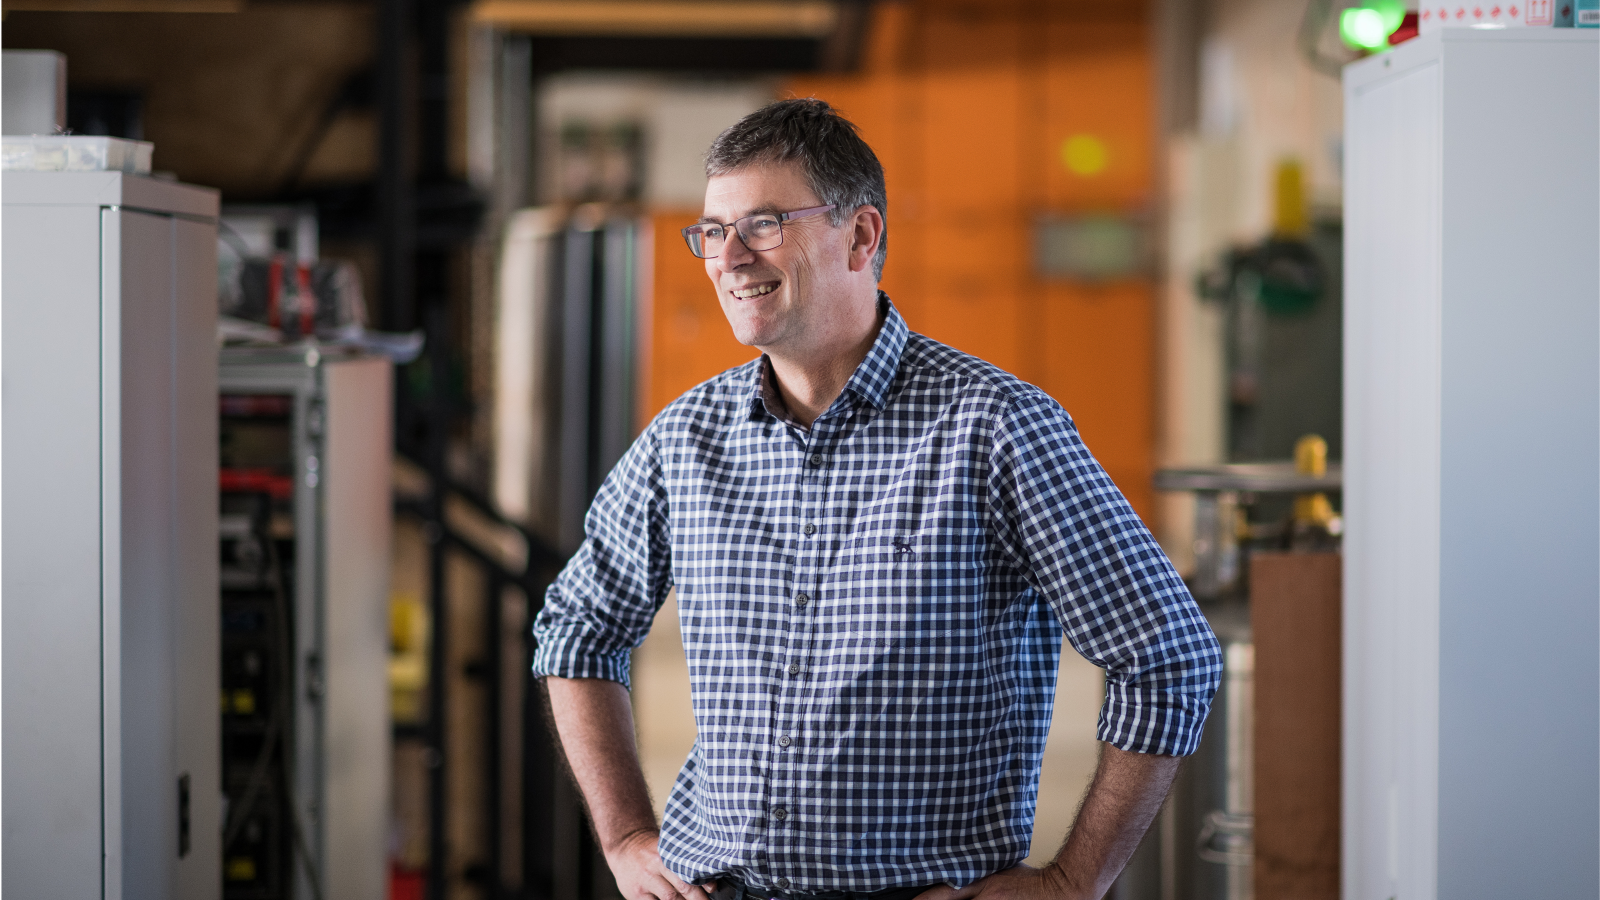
395, 220
727, 56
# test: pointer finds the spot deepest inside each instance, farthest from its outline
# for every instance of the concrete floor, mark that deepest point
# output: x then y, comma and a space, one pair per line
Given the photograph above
666, 729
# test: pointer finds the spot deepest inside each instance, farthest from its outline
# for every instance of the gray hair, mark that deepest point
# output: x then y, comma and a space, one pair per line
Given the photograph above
839, 166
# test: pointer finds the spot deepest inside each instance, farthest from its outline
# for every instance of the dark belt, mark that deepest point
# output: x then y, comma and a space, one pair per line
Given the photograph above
730, 888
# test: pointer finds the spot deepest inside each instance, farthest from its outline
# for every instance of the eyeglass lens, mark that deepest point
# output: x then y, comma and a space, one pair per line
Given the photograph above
759, 232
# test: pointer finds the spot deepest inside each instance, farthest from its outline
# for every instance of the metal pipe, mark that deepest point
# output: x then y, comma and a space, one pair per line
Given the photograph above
494, 615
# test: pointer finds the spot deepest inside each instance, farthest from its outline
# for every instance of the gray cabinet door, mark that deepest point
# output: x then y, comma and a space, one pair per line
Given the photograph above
141, 522
160, 521
51, 541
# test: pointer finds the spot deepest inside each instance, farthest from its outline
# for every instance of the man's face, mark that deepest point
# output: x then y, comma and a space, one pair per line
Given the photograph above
781, 299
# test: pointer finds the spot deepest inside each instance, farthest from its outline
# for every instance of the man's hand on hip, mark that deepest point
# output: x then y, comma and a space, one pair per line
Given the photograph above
1020, 883
635, 862
595, 722
1122, 801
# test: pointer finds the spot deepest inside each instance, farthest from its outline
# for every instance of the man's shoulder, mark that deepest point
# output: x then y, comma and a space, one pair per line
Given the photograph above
929, 363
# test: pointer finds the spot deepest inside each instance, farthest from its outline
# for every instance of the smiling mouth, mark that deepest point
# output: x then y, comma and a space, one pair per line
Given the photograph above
758, 290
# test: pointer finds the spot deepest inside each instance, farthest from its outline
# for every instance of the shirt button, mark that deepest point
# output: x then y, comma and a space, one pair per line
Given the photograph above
816, 459
780, 813
794, 668
784, 741
809, 528
783, 883
802, 599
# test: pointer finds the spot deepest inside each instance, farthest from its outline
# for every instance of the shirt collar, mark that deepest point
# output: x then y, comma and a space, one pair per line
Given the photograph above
869, 383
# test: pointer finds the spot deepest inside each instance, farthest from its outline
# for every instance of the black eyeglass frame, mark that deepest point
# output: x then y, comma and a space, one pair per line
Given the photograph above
782, 218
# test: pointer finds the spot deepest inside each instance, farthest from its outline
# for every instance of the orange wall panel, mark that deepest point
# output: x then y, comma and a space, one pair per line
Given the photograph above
1102, 89
969, 142
1099, 363
976, 253
979, 321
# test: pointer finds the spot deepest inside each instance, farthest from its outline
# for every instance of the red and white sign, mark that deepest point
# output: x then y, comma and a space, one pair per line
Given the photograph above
1482, 14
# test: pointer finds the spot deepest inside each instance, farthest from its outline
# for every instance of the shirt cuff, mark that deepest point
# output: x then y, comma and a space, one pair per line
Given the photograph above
1142, 719
571, 655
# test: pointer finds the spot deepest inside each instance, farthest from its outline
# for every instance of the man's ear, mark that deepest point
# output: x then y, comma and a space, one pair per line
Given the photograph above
866, 231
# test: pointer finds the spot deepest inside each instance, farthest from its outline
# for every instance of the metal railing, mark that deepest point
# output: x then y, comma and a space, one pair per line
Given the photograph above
511, 561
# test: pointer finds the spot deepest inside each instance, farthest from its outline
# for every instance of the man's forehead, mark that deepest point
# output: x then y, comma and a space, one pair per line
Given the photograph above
768, 187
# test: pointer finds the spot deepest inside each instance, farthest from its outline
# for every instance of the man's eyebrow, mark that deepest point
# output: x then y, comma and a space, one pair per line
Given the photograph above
764, 209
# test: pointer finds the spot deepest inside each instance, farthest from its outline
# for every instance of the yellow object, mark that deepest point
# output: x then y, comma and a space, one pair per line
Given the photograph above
1313, 509
408, 624
244, 702
1311, 455
408, 657
1291, 216
1311, 458
408, 672
241, 868
1084, 154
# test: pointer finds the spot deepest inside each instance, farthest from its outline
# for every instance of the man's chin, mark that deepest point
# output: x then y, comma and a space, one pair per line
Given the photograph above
753, 334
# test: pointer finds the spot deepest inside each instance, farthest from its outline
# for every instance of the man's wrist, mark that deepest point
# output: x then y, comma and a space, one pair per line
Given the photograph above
1059, 884
628, 837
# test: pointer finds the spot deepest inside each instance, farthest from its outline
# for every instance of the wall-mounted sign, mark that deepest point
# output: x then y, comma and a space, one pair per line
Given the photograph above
1100, 247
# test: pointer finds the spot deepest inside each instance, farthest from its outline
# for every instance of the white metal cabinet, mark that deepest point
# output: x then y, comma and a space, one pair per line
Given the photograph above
1472, 467
109, 611
342, 436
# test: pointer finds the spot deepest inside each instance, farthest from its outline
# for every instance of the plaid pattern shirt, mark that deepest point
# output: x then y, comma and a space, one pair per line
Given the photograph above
872, 611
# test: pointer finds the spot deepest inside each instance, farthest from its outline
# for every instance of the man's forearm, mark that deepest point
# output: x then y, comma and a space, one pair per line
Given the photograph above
595, 721
1124, 798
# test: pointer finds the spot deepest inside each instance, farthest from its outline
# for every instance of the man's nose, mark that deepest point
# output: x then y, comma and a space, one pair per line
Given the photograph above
734, 253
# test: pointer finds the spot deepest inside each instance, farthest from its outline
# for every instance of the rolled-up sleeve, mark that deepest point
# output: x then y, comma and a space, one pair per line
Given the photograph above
602, 604
1081, 546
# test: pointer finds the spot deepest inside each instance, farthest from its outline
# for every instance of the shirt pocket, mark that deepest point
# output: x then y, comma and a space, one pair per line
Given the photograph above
939, 561
879, 588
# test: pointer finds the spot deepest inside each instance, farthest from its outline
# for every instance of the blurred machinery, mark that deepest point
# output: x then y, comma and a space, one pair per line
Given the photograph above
304, 534
1282, 305
568, 362
1210, 844
110, 581
568, 352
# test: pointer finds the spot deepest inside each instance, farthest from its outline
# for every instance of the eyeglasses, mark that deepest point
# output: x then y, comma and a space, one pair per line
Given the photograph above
762, 231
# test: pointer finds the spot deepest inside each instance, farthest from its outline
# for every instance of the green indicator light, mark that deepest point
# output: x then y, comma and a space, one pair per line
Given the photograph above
1362, 28
1367, 27
1393, 12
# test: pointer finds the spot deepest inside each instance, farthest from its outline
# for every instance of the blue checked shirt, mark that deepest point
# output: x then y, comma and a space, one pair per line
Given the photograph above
872, 611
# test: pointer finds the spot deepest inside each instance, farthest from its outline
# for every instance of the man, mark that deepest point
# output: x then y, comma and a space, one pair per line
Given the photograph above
876, 542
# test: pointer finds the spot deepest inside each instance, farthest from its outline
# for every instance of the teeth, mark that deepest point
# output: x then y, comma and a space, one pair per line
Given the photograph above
747, 293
